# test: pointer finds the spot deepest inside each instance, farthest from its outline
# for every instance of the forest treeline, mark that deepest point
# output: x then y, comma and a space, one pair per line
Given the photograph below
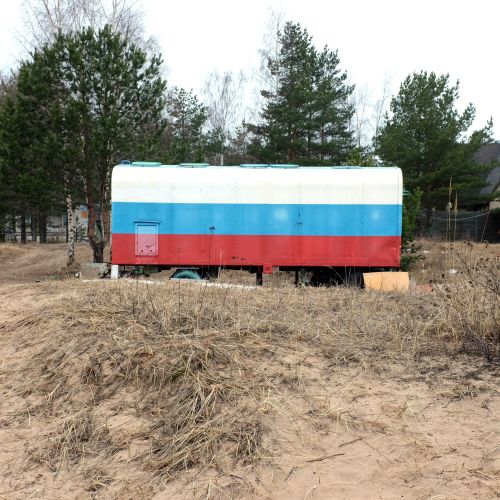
88, 97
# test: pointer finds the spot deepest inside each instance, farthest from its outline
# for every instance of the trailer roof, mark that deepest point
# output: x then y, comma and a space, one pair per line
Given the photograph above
242, 165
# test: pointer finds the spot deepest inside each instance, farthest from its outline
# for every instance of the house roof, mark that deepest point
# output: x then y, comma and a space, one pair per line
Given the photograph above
490, 153
493, 180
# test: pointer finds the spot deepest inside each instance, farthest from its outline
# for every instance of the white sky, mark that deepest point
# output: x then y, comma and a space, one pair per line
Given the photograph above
376, 39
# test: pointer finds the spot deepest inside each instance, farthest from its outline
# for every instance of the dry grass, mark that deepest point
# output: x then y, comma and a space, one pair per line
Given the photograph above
210, 369
80, 434
10, 250
437, 257
471, 296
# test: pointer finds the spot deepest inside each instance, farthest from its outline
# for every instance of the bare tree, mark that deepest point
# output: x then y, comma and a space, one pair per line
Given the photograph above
369, 113
223, 96
43, 19
379, 108
271, 47
360, 123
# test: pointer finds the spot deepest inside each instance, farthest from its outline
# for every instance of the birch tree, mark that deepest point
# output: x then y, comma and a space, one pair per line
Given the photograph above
379, 109
44, 19
223, 96
361, 126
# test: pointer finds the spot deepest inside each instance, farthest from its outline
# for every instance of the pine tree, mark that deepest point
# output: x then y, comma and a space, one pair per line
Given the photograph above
26, 159
306, 115
88, 101
427, 138
39, 140
183, 139
12, 199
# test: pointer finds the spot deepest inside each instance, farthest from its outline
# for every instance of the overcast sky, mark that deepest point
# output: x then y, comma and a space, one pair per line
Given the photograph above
376, 40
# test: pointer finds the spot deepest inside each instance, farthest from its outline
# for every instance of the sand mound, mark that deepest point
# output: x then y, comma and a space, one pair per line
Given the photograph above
130, 388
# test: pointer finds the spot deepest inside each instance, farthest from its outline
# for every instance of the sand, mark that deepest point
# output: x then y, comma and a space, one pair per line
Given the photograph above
425, 429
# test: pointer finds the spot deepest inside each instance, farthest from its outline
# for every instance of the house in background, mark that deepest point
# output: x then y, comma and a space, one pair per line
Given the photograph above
489, 154
480, 222
57, 227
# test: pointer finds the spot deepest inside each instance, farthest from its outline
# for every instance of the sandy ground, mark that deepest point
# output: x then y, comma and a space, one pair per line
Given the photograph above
34, 262
430, 430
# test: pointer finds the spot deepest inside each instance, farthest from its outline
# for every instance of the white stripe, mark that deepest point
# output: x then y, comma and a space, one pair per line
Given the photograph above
309, 185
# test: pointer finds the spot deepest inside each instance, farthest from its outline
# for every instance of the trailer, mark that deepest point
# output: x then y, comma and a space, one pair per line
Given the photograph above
256, 217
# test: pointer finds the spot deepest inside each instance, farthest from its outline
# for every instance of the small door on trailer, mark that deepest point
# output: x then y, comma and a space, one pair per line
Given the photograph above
146, 239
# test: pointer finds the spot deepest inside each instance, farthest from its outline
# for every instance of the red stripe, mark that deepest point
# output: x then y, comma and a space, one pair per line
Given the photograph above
215, 250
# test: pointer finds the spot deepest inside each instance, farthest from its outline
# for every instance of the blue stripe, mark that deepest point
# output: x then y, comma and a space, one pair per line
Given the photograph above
248, 219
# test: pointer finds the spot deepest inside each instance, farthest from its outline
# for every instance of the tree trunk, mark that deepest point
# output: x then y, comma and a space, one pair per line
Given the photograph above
428, 220
70, 227
13, 223
23, 226
98, 251
290, 154
96, 245
32, 227
106, 225
42, 224
35, 225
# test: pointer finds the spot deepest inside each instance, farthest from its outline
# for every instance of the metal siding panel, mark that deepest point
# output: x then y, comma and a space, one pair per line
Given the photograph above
255, 186
197, 250
285, 220
336, 216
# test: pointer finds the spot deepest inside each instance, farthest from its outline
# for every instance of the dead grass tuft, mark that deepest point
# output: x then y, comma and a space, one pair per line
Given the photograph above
79, 435
96, 478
